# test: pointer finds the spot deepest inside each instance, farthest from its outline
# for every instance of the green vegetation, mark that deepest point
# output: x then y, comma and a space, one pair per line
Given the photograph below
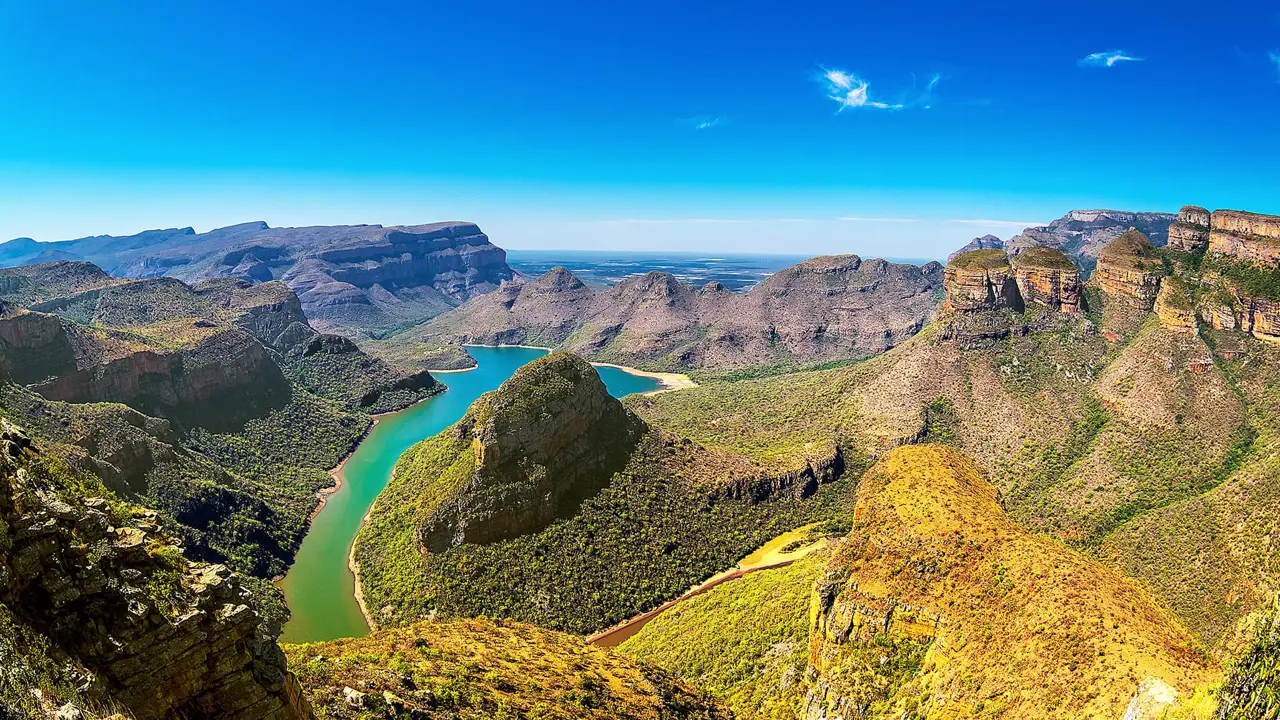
1043, 257
1132, 251
661, 525
1253, 690
745, 641
1249, 278
988, 259
940, 423
484, 670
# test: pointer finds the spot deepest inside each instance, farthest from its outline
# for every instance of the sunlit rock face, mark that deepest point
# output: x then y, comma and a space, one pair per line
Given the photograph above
1129, 270
1190, 232
1245, 235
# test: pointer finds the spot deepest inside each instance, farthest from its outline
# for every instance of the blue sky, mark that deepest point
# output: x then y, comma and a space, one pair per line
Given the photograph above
898, 129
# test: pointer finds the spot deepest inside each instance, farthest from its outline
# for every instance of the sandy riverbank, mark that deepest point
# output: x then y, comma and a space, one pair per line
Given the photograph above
669, 381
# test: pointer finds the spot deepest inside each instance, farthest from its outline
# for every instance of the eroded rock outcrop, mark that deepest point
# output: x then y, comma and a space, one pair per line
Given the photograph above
1129, 270
1190, 232
1173, 306
979, 280
548, 438
97, 584
1046, 276
1247, 236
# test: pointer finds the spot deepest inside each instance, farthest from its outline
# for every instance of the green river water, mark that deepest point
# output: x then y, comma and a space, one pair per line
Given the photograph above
320, 588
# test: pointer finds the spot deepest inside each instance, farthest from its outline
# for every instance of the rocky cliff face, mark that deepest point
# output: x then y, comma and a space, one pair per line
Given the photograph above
550, 437
1082, 234
350, 279
1247, 236
932, 565
1190, 232
1047, 277
1173, 306
95, 584
1129, 270
824, 309
980, 279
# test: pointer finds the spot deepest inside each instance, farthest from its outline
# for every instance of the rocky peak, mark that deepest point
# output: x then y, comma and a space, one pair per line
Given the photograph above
547, 439
1048, 277
980, 279
1190, 232
559, 279
1129, 270
986, 242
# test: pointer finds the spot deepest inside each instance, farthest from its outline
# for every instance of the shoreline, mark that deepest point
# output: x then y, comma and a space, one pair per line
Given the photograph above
670, 381
351, 566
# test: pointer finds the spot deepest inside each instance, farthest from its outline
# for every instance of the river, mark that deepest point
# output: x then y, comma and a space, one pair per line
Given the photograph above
319, 587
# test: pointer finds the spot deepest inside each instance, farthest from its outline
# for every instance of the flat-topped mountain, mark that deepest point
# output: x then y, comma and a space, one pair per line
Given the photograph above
824, 309
352, 279
1082, 234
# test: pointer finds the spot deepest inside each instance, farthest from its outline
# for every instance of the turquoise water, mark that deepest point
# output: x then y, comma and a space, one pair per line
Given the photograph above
320, 588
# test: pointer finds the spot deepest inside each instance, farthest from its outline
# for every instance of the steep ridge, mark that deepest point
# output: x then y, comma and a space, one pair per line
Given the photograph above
99, 610
237, 407
1097, 427
824, 309
938, 605
485, 669
552, 503
351, 279
1082, 234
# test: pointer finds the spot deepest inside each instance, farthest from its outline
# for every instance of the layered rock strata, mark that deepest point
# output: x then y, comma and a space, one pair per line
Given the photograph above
1190, 232
1129, 270
980, 279
1046, 276
1247, 236
1173, 306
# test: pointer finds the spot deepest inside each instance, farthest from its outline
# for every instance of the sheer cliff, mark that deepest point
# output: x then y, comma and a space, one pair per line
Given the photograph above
352, 280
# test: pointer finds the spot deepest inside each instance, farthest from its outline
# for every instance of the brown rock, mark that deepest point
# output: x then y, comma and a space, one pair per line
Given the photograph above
980, 280
1248, 236
1190, 232
1173, 306
1129, 270
1048, 277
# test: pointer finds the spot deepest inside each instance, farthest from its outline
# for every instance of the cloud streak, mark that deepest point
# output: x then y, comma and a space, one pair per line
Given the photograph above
1274, 56
1108, 58
850, 91
703, 122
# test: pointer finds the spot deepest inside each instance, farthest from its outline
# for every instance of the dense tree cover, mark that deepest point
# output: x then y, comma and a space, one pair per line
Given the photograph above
659, 527
1253, 690
746, 641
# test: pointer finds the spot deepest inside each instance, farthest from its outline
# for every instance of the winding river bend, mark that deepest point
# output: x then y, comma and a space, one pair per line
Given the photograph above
320, 588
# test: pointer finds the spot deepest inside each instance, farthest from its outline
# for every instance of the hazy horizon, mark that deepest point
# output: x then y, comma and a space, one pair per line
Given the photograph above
899, 130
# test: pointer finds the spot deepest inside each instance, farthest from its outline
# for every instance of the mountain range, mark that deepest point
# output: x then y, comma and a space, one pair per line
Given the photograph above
1022, 485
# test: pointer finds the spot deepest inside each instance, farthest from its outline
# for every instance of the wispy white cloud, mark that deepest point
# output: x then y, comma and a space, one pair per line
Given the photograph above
1274, 55
702, 122
1109, 58
850, 91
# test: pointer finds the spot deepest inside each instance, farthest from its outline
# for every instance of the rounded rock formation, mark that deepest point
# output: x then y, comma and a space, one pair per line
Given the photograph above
1129, 270
1048, 277
980, 280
